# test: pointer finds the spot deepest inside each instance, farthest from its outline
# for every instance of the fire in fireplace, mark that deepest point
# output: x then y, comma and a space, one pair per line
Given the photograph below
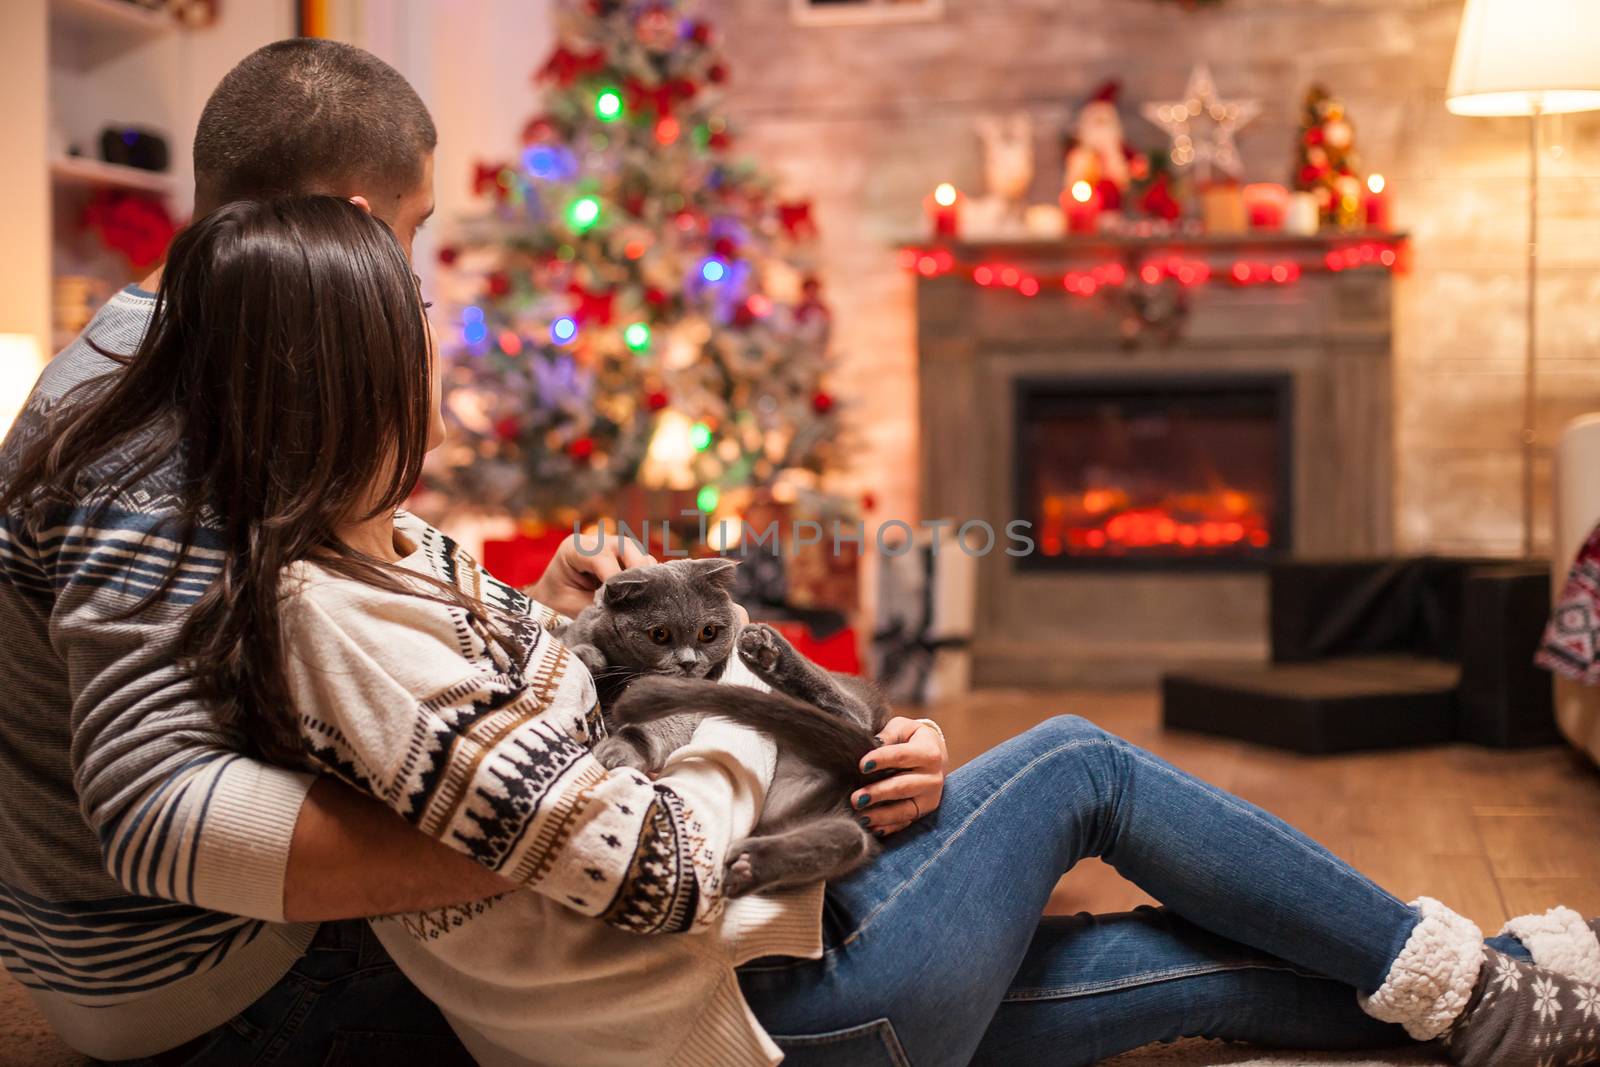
1154, 471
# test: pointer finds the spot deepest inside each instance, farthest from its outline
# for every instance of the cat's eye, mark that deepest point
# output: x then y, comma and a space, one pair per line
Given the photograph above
709, 632
661, 635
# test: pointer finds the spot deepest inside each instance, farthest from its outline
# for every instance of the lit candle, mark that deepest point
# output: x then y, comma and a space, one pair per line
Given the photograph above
1266, 204
944, 210
1303, 217
1377, 202
1080, 203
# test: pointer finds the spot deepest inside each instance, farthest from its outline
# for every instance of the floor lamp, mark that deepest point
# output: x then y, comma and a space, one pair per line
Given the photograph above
1527, 58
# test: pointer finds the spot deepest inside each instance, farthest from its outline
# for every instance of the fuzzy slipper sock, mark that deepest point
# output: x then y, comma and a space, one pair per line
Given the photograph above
1431, 980
1561, 941
1522, 1015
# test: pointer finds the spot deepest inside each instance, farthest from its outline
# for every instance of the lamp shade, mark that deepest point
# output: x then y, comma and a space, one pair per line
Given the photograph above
1517, 56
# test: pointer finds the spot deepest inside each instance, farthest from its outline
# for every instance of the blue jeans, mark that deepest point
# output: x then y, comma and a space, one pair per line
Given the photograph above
343, 1004
935, 953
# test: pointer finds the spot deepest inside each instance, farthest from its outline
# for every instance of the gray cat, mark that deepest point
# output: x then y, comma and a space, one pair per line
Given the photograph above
657, 638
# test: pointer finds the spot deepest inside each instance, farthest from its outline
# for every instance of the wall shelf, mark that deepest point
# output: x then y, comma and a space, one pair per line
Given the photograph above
80, 170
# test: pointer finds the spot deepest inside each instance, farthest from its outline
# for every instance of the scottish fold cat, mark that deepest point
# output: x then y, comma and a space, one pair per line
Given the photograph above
657, 638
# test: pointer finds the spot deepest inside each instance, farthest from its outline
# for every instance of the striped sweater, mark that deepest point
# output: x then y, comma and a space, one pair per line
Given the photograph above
142, 851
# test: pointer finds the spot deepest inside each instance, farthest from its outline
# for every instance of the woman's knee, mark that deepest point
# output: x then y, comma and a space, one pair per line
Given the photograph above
1068, 730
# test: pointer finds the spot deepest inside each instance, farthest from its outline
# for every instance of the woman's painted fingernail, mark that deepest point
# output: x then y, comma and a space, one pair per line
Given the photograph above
863, 800
864, 821
870, 765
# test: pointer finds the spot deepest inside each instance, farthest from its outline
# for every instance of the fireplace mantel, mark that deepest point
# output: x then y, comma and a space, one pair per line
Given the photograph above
1328, 331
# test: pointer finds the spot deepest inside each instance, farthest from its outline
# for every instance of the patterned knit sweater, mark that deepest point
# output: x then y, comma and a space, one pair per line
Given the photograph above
142, 853
488, 751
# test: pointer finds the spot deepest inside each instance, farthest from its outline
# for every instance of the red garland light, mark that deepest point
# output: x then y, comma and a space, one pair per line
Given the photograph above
1150, 273
983, 275
927, 266
1010, 276
1028, 286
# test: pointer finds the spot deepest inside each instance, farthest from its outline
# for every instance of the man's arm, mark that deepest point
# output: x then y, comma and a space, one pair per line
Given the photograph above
353, 858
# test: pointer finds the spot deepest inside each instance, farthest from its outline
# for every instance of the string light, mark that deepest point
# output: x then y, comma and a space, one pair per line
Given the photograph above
1376, 183
563, 329
608, 105
583, 213
700, 436
667, 130
713, 269
636, 336
707, 499
944, 194
473, 330
1082, 191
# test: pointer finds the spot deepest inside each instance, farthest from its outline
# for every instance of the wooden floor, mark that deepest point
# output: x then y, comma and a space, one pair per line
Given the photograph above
1492, 833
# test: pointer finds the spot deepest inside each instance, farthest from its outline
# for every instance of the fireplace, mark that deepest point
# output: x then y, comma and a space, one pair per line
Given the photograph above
1166, 442
1171, 472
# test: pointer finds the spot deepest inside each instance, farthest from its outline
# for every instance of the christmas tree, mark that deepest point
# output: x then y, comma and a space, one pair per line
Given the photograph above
636, 306
1325, 158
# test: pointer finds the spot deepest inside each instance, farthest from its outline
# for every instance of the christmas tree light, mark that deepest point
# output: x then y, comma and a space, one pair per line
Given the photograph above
608, 105
707, 499
636, 336
583, 213
563, 329
700, 436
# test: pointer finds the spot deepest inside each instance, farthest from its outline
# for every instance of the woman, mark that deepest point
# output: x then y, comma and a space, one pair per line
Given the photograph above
290, 364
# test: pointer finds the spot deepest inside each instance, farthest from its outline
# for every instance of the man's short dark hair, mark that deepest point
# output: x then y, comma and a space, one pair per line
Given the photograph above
310, 116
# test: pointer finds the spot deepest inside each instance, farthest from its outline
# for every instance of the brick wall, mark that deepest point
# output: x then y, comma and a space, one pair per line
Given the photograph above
867, 119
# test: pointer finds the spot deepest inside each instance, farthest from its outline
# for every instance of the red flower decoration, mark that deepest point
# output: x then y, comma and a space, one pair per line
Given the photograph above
486, 179
592, 308
133, 224
795, 218
566, 66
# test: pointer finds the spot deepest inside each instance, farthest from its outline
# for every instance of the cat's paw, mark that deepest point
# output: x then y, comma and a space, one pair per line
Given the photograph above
615, 752
760, 646
591, 657
740, 877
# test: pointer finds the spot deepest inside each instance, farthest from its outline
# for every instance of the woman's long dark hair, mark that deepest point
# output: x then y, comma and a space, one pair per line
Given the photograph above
287, 367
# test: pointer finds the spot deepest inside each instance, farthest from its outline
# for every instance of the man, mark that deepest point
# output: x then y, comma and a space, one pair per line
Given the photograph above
159, 891
159, 888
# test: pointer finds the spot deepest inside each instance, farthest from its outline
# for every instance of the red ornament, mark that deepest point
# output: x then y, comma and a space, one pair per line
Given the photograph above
657, 400
508, 429
654, 297
725, 246
566, 66
717, 74
1314, 135
700, 33
1158, 202
581, 447
795, 218
538, 129
499, 283
822, 403
448, 254
660, 98
719, 140
743, 316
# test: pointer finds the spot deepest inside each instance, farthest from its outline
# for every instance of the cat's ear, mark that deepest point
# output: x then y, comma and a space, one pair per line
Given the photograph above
717, 572
622, 587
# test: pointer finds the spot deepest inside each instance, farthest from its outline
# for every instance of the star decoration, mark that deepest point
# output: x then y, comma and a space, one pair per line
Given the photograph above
1202, 125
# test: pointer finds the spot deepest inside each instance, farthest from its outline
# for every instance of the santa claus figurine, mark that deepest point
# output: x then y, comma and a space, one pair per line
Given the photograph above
1097, 154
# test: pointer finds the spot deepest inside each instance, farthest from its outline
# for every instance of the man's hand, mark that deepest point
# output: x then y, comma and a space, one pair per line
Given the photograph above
916, 753
569, 582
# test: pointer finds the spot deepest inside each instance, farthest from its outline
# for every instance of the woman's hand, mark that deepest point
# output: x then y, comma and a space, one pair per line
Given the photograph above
916, 753
569, 582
